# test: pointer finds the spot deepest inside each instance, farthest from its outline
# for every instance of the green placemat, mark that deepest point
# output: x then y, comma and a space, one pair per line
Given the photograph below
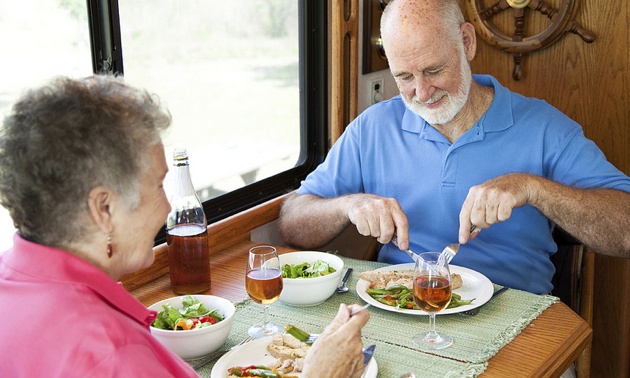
476, 338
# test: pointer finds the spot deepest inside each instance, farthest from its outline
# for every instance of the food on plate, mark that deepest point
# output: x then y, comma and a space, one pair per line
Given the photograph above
318, 268
256, 371
402, 297
296, 332
192, 315
288, 351
381, 279
395, 288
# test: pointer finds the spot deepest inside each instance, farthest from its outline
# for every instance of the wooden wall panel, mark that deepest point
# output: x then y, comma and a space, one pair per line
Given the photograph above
589, 83
586, 81
344, 68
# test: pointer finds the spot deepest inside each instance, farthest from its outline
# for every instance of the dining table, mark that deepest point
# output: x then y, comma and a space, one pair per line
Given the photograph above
516, 334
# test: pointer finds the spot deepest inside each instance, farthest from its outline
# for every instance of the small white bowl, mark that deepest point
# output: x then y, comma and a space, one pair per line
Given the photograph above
310, 291
197, 342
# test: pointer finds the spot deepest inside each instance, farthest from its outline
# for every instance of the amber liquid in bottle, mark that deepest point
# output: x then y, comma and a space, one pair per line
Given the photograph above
186, 233
189, 259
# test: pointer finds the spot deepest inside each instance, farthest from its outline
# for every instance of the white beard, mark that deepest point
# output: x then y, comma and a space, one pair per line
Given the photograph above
453, 103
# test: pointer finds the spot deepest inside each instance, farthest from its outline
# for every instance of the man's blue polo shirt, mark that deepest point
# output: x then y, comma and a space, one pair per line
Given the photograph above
391, 152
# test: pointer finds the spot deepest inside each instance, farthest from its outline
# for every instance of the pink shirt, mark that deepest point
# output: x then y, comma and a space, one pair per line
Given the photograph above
62, 317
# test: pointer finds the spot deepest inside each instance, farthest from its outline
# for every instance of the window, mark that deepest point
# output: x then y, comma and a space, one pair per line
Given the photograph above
39, 39
245, 80
228, 72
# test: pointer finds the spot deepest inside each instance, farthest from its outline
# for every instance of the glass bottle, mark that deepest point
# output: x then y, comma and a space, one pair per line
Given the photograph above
186, 233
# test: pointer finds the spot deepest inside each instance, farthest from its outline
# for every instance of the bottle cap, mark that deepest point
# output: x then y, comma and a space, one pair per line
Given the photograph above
180, 154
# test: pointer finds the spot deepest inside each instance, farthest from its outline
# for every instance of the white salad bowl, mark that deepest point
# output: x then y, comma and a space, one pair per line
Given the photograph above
196, 342
314, 290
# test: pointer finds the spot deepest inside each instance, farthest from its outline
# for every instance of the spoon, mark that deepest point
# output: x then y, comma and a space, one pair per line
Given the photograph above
342, 288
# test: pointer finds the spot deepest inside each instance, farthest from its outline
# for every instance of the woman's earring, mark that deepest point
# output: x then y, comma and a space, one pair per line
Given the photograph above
109, 246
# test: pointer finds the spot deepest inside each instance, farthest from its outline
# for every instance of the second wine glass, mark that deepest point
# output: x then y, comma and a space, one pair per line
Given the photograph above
263, 283
432, 291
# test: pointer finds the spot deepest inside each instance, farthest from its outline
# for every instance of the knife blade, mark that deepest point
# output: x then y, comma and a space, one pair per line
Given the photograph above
475, 310
409, 252
368, 353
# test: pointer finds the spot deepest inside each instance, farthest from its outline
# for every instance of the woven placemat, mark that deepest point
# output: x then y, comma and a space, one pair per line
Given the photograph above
476, 338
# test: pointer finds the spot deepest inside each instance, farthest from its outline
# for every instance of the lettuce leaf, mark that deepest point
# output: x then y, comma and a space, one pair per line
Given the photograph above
191, 308
306, 270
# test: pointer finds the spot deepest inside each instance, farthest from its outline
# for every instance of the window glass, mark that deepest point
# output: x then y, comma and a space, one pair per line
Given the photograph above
228, 72
39, 39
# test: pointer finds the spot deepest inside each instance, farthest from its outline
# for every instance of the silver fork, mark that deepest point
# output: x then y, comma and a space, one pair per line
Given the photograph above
215, 355
451, 250
311, 339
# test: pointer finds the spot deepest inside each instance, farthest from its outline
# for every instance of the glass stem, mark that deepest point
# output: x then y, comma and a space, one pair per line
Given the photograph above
432, 334
265, 314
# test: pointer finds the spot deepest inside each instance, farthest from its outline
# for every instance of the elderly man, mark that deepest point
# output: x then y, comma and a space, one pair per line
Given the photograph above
455, 150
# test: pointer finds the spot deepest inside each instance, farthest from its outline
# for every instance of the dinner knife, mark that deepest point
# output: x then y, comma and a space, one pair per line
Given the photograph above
475, 310
409, 252
449, 252
368, 353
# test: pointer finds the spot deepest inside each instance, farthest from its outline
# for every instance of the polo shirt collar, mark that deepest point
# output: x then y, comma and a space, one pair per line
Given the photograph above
45, 263
500, 109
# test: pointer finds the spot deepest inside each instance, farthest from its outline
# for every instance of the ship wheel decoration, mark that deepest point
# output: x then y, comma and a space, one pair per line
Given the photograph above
562, 21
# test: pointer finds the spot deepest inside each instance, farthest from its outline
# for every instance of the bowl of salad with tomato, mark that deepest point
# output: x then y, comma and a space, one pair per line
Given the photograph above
309, 277
193, 325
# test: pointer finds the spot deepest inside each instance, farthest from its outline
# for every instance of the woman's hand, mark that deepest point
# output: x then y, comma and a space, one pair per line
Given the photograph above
338, 351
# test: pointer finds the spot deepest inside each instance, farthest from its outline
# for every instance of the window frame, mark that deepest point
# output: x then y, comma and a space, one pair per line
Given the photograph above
107, 57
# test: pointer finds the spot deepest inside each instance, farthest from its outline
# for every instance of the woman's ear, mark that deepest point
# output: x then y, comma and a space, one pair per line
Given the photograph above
100, 206
469, 38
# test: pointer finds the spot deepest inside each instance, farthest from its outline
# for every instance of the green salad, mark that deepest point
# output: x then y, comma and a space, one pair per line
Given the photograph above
307, 270
192, 315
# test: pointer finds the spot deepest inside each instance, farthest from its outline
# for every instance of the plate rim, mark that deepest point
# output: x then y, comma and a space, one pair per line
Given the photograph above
454, 269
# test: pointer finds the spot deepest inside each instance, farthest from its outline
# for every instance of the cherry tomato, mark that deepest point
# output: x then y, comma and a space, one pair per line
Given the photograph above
207, 319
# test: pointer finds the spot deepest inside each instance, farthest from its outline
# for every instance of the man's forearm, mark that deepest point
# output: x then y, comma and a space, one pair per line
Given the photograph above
599, 218
308, 221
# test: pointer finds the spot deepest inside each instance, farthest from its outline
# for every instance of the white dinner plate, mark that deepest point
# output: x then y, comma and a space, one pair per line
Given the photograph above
255, 353
474, 285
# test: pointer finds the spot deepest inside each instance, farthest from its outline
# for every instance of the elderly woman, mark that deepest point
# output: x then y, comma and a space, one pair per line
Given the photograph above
81, 172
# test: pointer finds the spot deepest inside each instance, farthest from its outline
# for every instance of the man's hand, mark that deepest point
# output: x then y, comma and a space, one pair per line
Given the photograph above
492, 202
379, 217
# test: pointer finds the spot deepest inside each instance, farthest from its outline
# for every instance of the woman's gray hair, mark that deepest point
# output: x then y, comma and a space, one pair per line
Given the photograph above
66, 138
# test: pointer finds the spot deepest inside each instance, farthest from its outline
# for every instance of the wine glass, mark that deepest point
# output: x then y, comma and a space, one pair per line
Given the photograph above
432, 293
264, 285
